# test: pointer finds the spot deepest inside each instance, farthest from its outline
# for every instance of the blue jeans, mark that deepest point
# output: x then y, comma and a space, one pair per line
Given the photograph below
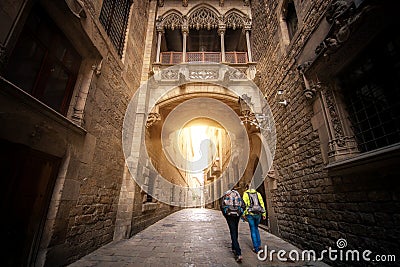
233, 224
254, 221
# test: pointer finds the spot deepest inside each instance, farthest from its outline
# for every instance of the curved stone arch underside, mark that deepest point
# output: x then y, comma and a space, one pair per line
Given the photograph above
264, 156
198, 90
175, 78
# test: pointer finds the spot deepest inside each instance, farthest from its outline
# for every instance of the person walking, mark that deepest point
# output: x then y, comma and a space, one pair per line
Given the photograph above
254, 210
232, 207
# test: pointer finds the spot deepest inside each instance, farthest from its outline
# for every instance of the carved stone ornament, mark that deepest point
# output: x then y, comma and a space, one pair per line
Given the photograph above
333, 114
343, 17
234, 20
159, 24
172, 21
152, 119
182, 78
170, 74
203, 18
221, 29
203, 74
236, 74
245, 102
336, 9
310, 87
185, 26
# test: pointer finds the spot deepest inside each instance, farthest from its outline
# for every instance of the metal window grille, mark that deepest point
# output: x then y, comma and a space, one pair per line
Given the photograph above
114, 17
372, 93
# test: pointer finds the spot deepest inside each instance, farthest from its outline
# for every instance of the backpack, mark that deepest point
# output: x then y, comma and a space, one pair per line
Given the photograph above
255, 206
232, 203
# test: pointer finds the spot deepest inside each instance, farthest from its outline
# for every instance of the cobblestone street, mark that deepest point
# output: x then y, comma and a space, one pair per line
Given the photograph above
190, 237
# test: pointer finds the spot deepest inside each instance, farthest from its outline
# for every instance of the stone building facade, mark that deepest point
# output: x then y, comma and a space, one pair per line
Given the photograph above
329, 70
68, 70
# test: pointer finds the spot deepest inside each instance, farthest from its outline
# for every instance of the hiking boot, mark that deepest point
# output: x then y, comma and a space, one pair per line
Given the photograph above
239, 258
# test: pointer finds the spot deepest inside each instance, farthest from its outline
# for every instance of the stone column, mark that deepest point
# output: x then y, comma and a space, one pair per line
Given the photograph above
87, 78
221, 32
247, 29
185, 33
158, 46
160, 31
341, 140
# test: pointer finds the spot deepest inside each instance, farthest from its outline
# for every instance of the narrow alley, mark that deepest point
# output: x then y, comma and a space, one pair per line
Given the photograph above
120, 119
187, 238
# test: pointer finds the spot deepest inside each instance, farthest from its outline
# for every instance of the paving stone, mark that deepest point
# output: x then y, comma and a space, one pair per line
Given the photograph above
195, 237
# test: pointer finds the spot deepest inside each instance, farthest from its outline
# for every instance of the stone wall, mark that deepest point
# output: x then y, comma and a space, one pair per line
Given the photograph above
92, 215
315, 207
86, 198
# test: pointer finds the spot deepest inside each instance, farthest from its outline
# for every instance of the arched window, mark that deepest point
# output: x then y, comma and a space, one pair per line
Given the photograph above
291, 19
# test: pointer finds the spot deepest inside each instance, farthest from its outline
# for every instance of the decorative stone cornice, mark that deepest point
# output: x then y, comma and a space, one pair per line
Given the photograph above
344, 18
203, 18
186, 2
351, 26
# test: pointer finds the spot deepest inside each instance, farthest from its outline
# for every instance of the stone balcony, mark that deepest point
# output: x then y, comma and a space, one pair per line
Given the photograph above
238, 60
215, 57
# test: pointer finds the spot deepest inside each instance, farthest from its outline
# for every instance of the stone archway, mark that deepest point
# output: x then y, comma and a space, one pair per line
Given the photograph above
176, 85
262, 179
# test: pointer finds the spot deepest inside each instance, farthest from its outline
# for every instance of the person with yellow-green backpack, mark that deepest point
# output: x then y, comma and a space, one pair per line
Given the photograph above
255, 209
